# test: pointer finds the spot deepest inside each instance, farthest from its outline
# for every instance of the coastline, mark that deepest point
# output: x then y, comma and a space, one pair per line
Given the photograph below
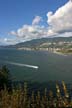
55, 52
60, 53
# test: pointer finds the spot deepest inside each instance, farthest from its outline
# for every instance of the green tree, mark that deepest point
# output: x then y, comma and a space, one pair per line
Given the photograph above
4, 77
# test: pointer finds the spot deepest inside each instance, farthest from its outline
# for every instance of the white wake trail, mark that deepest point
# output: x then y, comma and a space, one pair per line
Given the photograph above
23, 65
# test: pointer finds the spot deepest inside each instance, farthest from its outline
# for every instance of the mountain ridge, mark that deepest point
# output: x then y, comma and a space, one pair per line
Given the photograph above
38, 42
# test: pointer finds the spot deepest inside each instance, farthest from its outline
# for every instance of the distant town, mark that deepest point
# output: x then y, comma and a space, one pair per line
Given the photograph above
56, 47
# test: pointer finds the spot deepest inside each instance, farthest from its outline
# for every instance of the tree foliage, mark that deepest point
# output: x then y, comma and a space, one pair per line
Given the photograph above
4, 77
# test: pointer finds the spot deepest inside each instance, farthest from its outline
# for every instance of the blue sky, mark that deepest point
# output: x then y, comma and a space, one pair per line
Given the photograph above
27, 17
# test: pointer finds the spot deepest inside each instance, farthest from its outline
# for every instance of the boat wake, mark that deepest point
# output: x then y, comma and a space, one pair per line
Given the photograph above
22, 65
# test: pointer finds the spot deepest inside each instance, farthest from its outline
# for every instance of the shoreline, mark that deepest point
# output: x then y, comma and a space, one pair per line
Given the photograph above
60, 53
55, 52
52, 51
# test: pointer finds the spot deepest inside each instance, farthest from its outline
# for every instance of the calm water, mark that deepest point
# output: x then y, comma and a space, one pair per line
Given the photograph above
51, 66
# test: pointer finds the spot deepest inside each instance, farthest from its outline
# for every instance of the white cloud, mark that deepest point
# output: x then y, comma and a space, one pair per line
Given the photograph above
12, 32
28, 32
7, 41
59, 24
36, 20
61, 20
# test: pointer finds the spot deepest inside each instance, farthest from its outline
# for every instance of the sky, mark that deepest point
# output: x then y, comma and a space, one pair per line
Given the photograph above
24, 20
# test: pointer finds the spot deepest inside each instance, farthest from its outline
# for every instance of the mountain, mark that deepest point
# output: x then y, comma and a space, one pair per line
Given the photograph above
39, 42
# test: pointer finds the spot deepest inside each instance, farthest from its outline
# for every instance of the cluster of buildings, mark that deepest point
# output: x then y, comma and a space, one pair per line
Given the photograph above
61, 46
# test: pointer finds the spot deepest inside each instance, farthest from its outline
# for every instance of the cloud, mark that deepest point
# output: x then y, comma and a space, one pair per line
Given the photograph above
59, 24
61, 20
36, 20
7, 41
12, 32
28, 32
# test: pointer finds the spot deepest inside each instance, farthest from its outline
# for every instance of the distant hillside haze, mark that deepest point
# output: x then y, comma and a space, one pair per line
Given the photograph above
38, 42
